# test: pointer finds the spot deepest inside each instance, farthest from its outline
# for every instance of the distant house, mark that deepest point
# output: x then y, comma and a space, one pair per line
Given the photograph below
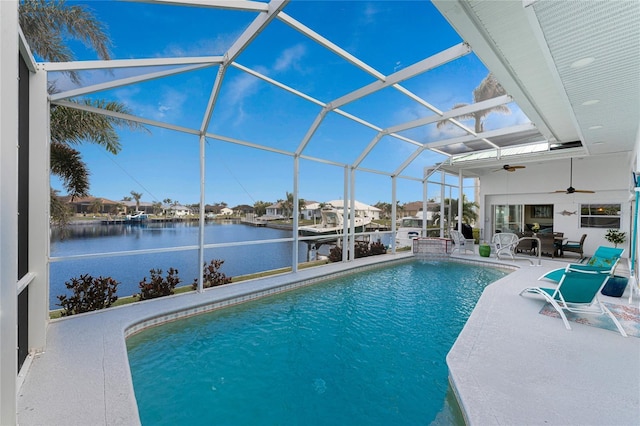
414, 209
226, 211
311, 211
92, 205
275, 210
362, 209
243, 209
143, 206
179, 211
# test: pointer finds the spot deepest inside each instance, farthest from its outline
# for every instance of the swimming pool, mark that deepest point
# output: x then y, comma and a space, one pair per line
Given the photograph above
368, 348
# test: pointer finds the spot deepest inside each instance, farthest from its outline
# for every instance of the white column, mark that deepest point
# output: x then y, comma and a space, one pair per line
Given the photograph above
425, 205
9, 210
201, 223
393, 214
296, 213
460, 198
39, 194
352, 216
442, 196
345, 210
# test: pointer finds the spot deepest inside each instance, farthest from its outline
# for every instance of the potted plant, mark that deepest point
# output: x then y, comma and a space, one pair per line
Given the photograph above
484, 250
615, 237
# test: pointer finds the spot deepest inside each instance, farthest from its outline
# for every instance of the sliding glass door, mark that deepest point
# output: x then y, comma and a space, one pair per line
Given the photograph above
507, 218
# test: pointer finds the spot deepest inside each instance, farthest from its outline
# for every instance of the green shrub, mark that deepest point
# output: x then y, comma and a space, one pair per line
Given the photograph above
361, 249
157, 285
89, 294
335, 254
211, 277
377, 248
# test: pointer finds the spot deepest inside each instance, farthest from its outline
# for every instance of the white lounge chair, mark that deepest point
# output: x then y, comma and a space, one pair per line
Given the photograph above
460, 242
505, 243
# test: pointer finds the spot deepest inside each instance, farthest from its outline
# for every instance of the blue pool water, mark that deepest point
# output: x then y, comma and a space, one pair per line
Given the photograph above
365, 349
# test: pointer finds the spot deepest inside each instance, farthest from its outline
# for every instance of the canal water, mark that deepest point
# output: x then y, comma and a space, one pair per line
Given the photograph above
131, 269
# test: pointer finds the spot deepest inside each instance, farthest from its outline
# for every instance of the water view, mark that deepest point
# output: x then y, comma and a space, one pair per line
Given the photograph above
130, 270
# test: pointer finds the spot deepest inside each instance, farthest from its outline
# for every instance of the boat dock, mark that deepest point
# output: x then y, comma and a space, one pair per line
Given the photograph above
251, 219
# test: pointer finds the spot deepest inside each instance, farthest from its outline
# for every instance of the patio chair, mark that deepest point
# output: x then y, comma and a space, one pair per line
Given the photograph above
525, 246
574, 246
547, 244
604, 257
505, 243
577, 292
460, 242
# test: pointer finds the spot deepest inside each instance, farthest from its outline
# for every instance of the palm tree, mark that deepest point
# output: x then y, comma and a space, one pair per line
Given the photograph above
136, 196
469, 213
96, 205
489, 88
45, 24
157, 207
260, 207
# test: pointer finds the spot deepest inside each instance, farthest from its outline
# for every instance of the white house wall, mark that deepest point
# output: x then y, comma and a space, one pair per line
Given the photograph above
607, 175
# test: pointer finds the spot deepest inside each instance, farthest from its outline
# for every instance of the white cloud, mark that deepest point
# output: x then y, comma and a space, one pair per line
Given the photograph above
289, 58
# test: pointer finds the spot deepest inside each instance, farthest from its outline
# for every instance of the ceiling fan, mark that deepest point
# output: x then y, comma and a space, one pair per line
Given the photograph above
509, 168
571, 189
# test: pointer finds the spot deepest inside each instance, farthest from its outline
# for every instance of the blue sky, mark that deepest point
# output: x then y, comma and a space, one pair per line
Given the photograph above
387, 35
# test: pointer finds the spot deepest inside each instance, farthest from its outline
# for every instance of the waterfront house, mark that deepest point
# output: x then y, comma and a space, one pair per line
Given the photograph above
145, 207
243, 209
179, 211
311, 211
362, 209
275, 210
226, 211
92, 205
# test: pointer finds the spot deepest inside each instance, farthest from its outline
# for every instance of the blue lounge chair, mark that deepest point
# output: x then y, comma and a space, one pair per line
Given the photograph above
604, 257
577, 292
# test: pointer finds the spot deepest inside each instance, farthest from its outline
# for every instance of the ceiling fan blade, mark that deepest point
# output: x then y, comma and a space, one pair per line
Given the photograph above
584, 191
509, 168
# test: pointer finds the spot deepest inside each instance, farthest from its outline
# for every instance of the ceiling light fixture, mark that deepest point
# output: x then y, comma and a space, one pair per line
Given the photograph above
582, 62
591, 102
596, 127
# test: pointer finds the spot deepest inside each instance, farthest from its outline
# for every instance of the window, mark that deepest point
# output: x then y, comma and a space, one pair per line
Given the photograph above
600, 216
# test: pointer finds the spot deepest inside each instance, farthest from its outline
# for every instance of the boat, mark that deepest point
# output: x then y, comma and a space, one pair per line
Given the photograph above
137, 217
409, 228
332, 223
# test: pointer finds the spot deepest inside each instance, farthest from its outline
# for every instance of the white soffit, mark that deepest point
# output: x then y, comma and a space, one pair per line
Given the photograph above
605, 34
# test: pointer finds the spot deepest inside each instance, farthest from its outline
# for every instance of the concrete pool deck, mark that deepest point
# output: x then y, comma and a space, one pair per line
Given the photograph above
510, 365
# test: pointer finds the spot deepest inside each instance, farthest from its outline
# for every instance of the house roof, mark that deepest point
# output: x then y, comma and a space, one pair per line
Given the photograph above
359, 206
88, 200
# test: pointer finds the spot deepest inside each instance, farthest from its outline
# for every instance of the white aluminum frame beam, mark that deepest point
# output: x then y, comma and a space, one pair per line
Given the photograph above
255, 28
411, 71
242, 5
124, 82
129, 63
